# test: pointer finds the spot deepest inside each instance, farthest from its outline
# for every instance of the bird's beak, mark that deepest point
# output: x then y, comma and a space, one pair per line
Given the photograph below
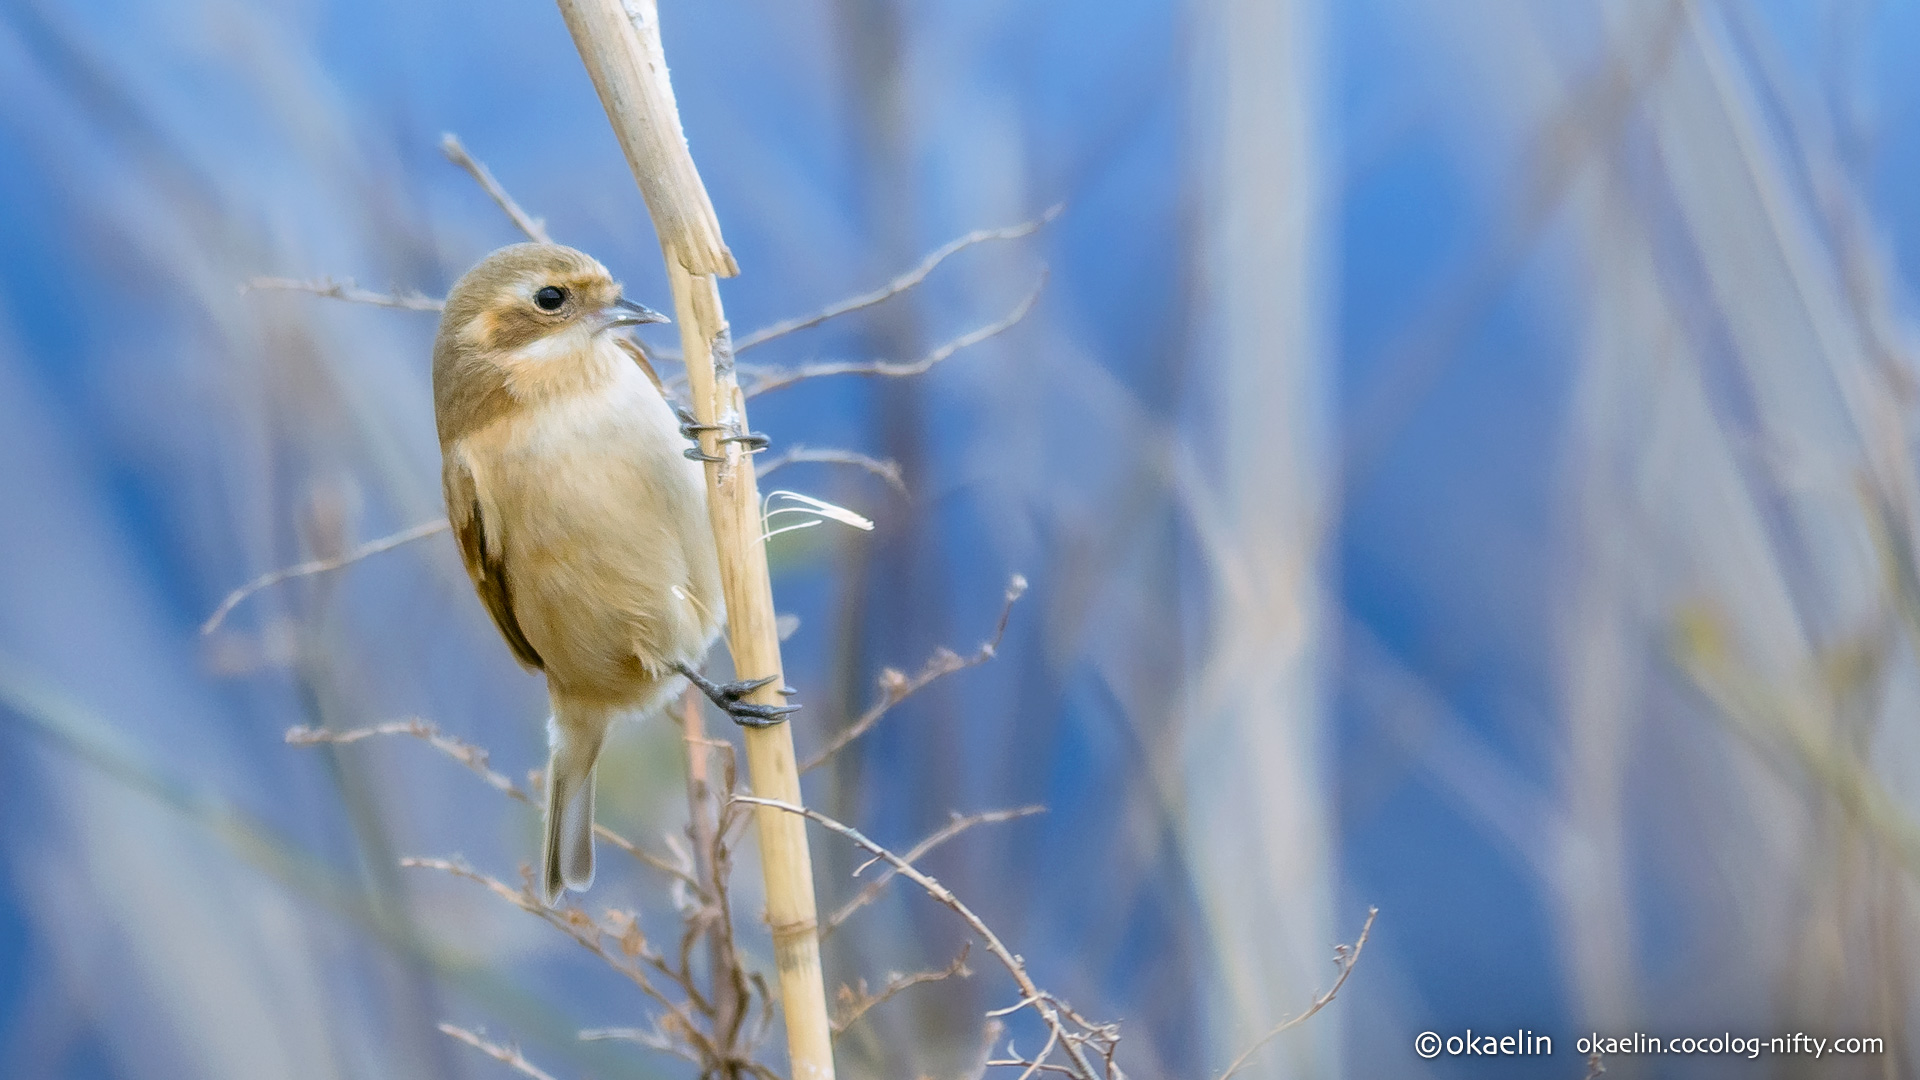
624, 312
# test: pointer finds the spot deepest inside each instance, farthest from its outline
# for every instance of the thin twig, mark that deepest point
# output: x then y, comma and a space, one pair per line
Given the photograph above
628, 952
859, 1001
345, 289
774, 378
951, 829
1345, 958
506, 1055
888, 470
898, 285
473, 757
652, 1040
319, 566
1041, 1002
535, 228
1034, 1066
896, 687
1039, 1061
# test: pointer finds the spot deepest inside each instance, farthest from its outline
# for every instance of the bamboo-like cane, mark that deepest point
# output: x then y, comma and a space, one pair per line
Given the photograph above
619, 41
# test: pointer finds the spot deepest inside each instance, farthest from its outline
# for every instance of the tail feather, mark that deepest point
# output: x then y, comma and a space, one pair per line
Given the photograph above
569, 843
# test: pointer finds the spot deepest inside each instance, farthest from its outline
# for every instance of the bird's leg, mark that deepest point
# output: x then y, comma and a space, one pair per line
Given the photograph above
727, 696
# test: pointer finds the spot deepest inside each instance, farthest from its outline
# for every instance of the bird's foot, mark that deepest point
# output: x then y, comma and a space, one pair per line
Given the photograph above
690, 426
692, 429
728, 697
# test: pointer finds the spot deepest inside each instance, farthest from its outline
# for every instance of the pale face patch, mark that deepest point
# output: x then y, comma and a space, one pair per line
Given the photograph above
569, 361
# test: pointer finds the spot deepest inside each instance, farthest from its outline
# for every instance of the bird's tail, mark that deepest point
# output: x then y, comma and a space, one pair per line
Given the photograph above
574, 738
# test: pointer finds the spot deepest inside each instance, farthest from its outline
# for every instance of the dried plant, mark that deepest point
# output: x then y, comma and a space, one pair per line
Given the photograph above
703, 999
709, 1007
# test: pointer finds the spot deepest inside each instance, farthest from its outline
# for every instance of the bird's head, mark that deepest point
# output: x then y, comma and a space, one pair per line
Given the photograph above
523, 295
524, 322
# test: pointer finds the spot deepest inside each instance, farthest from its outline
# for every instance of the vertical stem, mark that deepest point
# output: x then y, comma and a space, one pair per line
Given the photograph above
619, 42
727, 989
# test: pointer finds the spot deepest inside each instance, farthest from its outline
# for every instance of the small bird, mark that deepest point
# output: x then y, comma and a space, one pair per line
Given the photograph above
579, 515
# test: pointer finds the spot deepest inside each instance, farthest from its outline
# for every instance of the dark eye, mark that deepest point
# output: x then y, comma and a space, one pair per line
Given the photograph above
550, 298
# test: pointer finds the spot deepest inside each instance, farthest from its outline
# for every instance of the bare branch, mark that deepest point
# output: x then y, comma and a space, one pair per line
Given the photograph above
1039, 1060
652, 1040
1344, 958
896, 687
473, 757
535, 228
898, 285
859, 1001
506, 1055
345, 289
1040, 1001
319, 566
951, 829
888, 470
623, 947
766, 379
1033, 1066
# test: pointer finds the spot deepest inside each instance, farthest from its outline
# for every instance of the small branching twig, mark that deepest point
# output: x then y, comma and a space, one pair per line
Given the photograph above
954, 827
618, 943
345, 289
887, 470
1043, 1003
535, 228
1038, 1063
858, 1001
765, 379
508, 1055
896, 687
898, 285
655, 1039
319, 566
1344, 958
465, 753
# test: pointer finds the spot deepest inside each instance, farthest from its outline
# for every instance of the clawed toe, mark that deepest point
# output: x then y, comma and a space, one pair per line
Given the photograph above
728, 697
690, 426
752, 442
747, 714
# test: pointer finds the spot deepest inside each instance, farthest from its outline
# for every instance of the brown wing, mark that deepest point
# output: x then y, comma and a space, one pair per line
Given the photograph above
640, 357
484, 557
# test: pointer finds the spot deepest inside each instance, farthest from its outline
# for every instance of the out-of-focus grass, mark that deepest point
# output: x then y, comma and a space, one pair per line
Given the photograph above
89, 740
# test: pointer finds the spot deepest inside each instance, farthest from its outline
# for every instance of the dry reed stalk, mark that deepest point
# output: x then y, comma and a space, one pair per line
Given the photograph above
620, 45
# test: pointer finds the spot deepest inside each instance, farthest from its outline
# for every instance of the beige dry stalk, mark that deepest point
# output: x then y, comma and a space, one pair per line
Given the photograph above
620, 45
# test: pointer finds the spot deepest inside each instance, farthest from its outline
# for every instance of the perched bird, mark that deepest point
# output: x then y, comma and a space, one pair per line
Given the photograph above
579, 515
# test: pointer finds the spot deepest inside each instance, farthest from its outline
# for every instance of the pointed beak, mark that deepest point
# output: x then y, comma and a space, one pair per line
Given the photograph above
624, 312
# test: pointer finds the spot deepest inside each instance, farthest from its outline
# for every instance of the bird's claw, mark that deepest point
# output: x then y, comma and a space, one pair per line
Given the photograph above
690, 426
728, 697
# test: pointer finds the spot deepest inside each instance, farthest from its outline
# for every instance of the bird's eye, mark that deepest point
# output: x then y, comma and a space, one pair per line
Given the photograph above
550, 298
